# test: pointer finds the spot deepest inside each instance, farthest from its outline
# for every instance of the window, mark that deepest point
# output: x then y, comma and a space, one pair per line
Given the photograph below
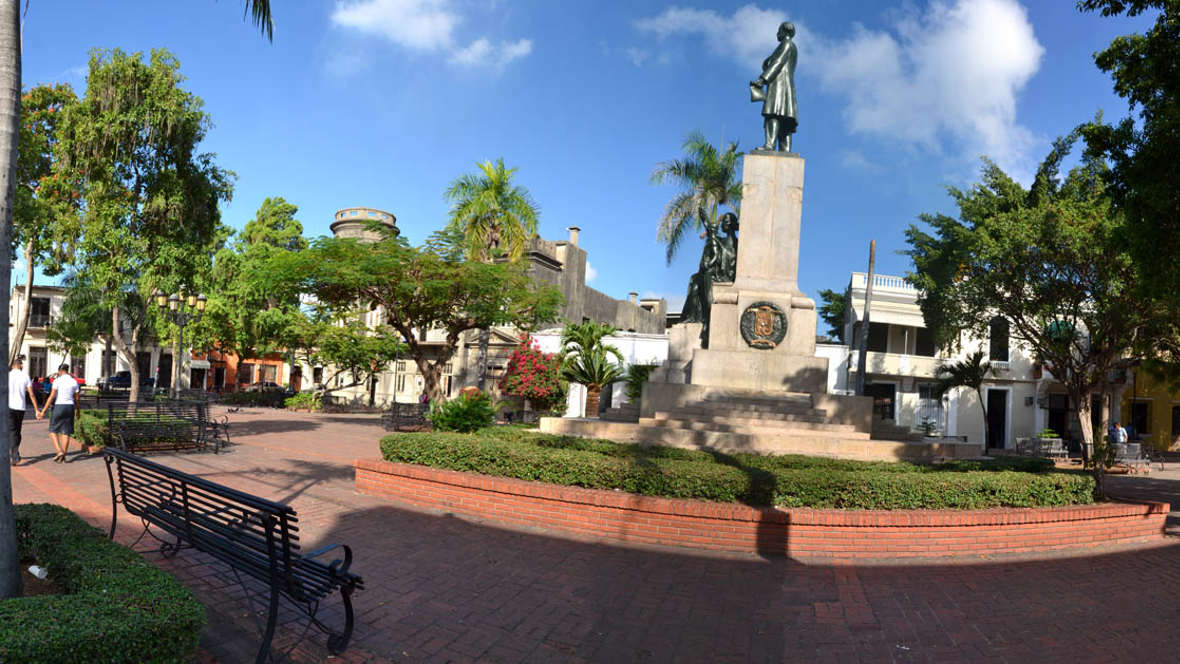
422, 334
372, 215
1175, 421
39, 312
401, 366
38, 361
245, 373
878, 337
447, 369
401, 383
998, 340
354, 213
317, 375
268, 373
1141, 416
924, 343
929, 405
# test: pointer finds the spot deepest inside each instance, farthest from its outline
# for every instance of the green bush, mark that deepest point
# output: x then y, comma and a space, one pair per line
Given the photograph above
92, 427
637, 375
118, 607
308, 400
464, 414
787, 480
271, 399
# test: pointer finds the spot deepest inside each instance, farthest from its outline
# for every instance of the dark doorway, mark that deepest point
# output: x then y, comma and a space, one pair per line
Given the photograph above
143, 362
884, 397
197, 379
38, 361
296, 378
218, 378
164, 370
997, 418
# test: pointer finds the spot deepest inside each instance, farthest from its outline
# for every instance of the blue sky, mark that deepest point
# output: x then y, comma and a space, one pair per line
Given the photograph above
384, 102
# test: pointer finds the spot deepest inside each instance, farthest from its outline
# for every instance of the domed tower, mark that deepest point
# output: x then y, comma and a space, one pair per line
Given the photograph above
354, 221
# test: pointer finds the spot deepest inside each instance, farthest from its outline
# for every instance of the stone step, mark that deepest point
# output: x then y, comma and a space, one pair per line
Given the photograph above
802, 414
785, 428
828, 446
760, 398
797, 421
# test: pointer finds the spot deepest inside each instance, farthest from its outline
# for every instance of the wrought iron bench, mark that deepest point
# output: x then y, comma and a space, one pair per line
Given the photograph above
254, 536
165, 425
1131, 456
404, 415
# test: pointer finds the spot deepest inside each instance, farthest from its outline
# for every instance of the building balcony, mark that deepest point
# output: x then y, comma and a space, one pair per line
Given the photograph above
40, 320
894, 364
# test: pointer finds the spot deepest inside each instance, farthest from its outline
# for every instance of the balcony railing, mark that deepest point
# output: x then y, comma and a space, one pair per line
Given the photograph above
882, 281
40, 320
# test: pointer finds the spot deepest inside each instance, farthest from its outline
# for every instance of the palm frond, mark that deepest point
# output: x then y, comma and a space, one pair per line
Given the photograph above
259, 11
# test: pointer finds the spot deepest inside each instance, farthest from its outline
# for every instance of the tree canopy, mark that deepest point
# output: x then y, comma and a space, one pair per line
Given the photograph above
416, 289
1052, 261
494, 216
1145, 175
832, 311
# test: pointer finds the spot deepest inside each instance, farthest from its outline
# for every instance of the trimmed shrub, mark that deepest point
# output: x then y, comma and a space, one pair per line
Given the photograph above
788, 480
466, 413
119, 607
92, 428
269, 399
307, 400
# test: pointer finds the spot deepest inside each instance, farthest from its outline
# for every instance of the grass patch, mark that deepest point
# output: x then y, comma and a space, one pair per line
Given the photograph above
787, 480
119, 607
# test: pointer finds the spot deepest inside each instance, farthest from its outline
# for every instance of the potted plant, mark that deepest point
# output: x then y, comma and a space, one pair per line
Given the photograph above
586, 360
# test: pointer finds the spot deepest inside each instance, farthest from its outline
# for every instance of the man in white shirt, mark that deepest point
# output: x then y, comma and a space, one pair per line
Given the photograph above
20, 387
61, 424
1120, 434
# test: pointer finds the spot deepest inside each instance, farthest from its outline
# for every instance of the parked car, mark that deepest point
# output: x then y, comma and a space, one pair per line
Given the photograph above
122, 381
265, 386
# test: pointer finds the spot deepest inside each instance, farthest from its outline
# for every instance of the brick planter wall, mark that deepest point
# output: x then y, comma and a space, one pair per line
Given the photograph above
832, 535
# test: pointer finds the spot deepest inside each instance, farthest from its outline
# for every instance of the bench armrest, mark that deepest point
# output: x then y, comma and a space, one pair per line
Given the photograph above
338, 567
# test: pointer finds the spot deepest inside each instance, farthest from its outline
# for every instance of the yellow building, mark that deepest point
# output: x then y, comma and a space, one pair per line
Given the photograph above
1151, 409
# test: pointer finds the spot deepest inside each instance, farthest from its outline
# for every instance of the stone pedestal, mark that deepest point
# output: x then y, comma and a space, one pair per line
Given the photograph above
766, 285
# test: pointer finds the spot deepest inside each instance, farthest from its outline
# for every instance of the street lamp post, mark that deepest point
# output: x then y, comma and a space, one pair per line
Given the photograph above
181, 308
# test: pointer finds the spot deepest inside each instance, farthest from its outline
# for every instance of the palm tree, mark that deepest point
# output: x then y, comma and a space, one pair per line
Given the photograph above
586, 360
971, 372
496, 219
10, 91
709, 179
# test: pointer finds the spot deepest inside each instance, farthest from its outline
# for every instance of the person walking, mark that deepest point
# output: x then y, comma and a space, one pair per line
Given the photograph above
61, 424
1118, 434
19, 387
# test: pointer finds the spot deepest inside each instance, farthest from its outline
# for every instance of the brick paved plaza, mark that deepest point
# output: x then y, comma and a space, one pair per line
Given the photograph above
440, 589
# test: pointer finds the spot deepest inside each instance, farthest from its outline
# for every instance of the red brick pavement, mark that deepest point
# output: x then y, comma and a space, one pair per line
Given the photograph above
442, 589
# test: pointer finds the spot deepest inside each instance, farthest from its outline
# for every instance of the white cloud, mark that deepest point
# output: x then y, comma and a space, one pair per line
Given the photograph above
482, 52
856, 159
944, 80
591, 273
636, 55
744, 35
423, 25
427, 26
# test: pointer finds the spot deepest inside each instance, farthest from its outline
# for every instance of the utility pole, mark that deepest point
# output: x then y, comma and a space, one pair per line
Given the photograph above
862, 341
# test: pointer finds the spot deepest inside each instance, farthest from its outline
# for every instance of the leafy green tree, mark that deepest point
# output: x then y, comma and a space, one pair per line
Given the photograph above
586, 360
10, 86
709, 179
46, 200
151, 201
1142, 150
971, 373
833, 311
1052, 261
416, 289
349, 347
496, 219
242, 314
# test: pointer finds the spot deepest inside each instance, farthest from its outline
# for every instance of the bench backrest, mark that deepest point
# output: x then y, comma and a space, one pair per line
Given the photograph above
254, 534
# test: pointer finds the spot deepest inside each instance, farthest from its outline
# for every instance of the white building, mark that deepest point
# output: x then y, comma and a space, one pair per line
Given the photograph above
901, 371
41, 360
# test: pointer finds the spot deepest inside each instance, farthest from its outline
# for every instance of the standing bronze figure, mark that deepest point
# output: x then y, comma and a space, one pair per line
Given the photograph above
718, 264
775, 88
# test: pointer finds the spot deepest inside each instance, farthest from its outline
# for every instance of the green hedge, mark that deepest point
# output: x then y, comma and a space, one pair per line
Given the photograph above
269, 399
788, 480
92, 427
119, 607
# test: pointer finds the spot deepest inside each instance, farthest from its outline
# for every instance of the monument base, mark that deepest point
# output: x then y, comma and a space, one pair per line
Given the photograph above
759, 371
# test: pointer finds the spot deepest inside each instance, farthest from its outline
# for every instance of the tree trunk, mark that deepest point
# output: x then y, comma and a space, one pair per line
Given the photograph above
18, 337
485, 336
431, 377
10, 83
128, 351
593, 392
